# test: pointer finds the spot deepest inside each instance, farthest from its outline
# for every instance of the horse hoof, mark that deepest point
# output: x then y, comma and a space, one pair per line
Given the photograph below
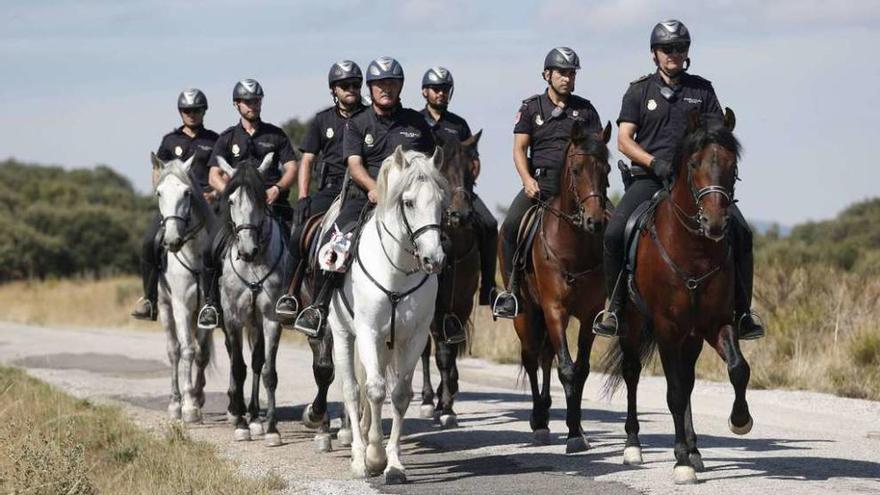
632, 456
309, 420
231, 418
426, 411
358, 469
542, 437
740, 430
376, 460
272, 439
191, 414
697, 461
576, 444
200, 399
448, 421
394, 476
255, 428
322, 442
174, 410
242, 435
684, 475
343, 436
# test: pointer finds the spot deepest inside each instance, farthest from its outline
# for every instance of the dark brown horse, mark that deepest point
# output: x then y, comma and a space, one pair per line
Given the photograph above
565, 279
685, 275
458, 281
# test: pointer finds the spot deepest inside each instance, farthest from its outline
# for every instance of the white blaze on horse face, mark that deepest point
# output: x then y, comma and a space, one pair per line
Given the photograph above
243, 211
174, 201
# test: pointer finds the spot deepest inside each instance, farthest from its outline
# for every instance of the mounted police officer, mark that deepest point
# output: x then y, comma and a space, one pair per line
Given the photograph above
370, 136
190, 139
541, 133
324, 137
250, 139
437, 89
652, 122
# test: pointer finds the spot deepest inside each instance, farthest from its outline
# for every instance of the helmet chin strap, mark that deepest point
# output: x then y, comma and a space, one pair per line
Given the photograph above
676, 75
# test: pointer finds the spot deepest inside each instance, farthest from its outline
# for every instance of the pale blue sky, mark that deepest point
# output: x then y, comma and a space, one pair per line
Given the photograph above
93, 81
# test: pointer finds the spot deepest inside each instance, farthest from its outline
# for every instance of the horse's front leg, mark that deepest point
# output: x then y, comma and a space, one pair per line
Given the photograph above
237, 372
426, 410
189, 411
407, 358
202, 359
631, 370
727, 346
446, 355
343, 355
271, 338
374, 357
258, 359
678, 366
172, 347
556, 318
315, 414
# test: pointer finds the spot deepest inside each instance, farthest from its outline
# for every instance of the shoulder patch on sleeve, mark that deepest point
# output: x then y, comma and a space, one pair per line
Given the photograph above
531, 98
643, 78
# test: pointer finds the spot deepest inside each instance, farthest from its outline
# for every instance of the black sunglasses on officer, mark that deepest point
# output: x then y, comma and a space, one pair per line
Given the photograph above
674, 48
349, 85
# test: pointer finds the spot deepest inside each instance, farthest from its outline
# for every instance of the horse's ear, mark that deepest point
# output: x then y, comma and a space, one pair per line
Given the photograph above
578, 132
606, 133
693, 120
225, 166
472, 142
437, 157
267, 162
187, 165
157, 163
729, 119
399, 157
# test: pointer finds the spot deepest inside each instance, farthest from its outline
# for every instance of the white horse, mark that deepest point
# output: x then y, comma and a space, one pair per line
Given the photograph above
386, 303
254, 262
186, 220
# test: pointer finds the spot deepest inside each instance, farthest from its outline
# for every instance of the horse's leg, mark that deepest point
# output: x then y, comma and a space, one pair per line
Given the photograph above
427, 408
343, 356
189, 410
581, 372
542, 435
446, 355
690, 437
202, 358
530, 356
258, 359
237, 373
727, 346
679, 370
315, 414
374, 357
631, 369
556, 319
172, 346
270, 337
407, 356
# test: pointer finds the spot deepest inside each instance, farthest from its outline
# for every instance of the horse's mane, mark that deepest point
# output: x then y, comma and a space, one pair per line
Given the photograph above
200, 205
454, 159
710, 131
419, 168
246, 177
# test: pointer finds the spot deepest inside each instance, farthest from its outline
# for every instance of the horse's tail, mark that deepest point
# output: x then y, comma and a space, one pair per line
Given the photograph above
613, 360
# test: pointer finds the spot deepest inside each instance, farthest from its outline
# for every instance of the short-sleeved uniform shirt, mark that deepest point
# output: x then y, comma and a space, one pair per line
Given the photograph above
176, 144
662, 122
374, 137
324, 136
448, 125
551, 135
236, 145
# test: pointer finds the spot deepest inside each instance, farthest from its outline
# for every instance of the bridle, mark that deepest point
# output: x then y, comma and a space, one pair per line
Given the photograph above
412, 235
687, 220
578, 218
189, 232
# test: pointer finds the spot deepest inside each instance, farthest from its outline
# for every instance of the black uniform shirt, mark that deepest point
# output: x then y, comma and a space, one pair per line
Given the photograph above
551, 135
662, 123
375, 137
178, 145
324, 136
449, 124
236, 145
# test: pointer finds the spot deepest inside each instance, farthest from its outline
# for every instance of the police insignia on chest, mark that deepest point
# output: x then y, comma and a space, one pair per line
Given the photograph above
652, 105
236, 150
368, 139
178, 151
539, 120
329, 132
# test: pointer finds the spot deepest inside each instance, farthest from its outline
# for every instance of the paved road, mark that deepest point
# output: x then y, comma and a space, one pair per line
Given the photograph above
802, 443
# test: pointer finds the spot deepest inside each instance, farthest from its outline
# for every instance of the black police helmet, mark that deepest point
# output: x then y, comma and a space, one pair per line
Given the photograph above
562, 57
669, 33
384, 68
192, 98
247, 89
342, 70
438, 76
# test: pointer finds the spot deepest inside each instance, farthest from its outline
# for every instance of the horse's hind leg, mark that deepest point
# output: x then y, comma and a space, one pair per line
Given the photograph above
172, 346
270, 338
446, 355
258, 359
315, 414
727, 346
631, 369
426, 410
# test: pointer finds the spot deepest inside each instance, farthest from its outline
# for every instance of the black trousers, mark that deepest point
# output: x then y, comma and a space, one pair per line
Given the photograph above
318, 203
488, 233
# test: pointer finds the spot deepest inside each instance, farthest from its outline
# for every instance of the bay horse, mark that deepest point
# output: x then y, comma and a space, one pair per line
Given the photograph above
684, 275
458, 281
565, 279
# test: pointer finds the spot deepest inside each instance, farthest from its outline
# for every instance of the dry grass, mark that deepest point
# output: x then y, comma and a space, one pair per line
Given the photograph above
54, 443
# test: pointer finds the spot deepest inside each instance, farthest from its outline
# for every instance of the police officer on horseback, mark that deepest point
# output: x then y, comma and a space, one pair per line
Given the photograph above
437, 89
324, 138
370, 136
190, 139
541, 133
652, 122
250, 139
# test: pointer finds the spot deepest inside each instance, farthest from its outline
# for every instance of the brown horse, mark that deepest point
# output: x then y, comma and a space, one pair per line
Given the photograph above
565, 279
459, 279
685, 275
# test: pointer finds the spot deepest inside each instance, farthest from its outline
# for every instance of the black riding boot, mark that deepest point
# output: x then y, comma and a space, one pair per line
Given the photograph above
311, 319
209, 315
488, 262
146, 308
447, 325
746, 326
506, 304
287, 305
607, 323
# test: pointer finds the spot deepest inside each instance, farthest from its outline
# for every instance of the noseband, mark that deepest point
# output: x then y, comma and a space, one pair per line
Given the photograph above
185, 220
412, 235
698, 195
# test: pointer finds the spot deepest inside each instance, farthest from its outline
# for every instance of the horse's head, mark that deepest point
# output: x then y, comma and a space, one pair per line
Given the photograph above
457, 169
585, 177
176, 195
708, 168
412, 193
246, 203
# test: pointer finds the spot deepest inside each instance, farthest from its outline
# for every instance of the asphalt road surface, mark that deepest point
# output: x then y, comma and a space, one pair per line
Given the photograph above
802, 443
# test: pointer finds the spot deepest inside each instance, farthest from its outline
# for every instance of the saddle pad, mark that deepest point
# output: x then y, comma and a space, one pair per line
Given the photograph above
525, 238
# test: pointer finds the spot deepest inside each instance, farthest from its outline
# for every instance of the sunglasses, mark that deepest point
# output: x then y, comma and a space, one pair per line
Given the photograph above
190, 111
445, 88
674, 48
349, 85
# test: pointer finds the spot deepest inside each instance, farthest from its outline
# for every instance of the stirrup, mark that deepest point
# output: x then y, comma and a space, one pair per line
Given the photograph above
152, 311
285, 316
205, 309
753, 335
599, 328
496, 310
458, 337
301, 325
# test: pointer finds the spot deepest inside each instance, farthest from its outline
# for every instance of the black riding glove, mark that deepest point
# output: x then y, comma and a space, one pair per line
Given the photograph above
661, 168
301, 210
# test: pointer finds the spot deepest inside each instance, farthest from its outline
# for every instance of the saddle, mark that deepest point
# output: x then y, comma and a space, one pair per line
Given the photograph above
639, 221
525, 237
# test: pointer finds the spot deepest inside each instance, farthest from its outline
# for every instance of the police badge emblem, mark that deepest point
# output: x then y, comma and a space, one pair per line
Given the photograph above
178, 151
652, 105
329, 133
368, 139
236, 150
539, 120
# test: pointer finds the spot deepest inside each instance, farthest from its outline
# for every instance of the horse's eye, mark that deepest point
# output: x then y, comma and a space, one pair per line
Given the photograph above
186, 193
408, 203
158, 194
